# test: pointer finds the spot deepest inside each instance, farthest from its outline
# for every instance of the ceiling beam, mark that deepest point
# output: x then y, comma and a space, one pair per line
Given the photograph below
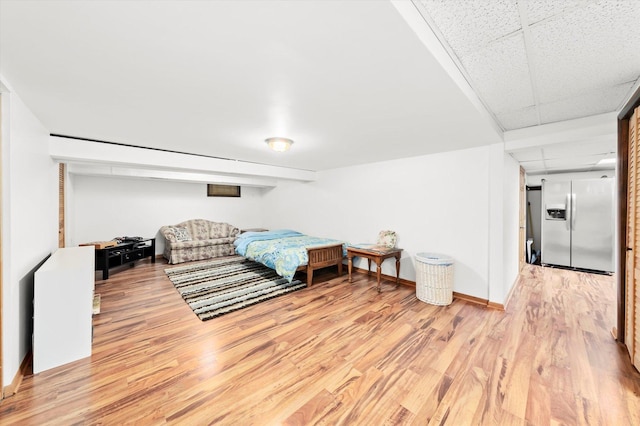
420, 22
126, 172
69, 150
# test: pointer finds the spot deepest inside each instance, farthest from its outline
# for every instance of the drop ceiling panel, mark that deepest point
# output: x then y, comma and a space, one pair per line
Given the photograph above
471, 24
539, 10
498, 71
518, 119
590, 103
567, 156
580, 49
586, 48
534, 62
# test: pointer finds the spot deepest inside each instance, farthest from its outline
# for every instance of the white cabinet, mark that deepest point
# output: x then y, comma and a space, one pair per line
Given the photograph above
63, 307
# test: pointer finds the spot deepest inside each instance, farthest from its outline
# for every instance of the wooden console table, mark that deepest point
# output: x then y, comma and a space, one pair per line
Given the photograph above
377, 254
126, 252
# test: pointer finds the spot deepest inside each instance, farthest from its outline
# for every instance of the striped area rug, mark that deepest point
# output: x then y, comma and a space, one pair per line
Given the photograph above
224, 285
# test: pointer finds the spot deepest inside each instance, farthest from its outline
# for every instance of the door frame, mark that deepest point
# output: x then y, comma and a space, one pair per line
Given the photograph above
2, 142
522, 220
622, 176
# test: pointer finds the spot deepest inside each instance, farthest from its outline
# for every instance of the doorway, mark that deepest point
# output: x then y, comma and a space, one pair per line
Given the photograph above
534, 224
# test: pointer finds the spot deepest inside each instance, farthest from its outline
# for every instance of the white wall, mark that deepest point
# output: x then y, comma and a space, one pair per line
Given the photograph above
101, 208
436, 203
496, 220
504, 207
30, 182
511, 216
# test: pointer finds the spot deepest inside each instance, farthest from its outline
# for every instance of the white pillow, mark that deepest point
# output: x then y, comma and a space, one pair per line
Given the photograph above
182, 234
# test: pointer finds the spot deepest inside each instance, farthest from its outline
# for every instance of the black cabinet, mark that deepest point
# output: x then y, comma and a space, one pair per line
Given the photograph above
126, 252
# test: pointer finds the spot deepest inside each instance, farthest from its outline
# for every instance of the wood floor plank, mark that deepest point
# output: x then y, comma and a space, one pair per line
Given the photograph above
353, 397
342, 353
313, 411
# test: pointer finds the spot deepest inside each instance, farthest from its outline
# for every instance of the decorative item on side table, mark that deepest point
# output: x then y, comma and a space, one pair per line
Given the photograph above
126, 250
387, 238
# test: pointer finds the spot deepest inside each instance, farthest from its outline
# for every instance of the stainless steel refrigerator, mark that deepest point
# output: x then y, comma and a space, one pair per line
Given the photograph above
578, 223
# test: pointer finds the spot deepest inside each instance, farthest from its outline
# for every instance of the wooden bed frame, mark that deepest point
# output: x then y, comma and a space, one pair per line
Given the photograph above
321, 257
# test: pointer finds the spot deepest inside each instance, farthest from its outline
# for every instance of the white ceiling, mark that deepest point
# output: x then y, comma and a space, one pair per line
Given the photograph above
349, 81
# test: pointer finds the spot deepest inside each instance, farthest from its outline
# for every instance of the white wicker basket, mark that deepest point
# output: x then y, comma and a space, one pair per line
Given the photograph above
434, 278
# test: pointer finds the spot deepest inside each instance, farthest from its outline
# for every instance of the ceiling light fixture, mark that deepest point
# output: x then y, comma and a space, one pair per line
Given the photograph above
279, 144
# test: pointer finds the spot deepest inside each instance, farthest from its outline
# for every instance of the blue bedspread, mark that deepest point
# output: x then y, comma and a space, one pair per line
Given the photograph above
282, 250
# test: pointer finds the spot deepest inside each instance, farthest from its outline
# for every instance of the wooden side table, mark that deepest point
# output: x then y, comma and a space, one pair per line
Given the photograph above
378, 254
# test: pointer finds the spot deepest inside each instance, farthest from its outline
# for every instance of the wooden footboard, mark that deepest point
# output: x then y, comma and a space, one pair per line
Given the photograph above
321, 257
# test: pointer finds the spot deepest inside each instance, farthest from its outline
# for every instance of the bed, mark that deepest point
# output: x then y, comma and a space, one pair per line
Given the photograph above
287, 251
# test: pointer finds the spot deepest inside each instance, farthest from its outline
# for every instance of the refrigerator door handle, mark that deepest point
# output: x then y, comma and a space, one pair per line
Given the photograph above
573, 211
568, 214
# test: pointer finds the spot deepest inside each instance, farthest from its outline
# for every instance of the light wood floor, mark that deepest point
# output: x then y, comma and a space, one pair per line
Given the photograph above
340, 353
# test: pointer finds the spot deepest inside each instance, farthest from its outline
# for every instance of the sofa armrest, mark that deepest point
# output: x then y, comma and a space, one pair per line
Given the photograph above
168, 234
222, 230
234, 232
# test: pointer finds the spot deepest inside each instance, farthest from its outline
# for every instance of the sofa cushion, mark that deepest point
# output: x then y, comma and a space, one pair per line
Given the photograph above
224, 240
181, 245
199, 228
181, 233
221, 230
217, 230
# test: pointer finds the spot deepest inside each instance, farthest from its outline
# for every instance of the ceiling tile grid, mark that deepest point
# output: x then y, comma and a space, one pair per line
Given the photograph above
574, 156
540, 10
576, 57
583, 148
502, 66
472, 24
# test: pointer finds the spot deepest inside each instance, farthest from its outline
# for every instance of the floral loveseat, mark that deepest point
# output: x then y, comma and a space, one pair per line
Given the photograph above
198, 239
